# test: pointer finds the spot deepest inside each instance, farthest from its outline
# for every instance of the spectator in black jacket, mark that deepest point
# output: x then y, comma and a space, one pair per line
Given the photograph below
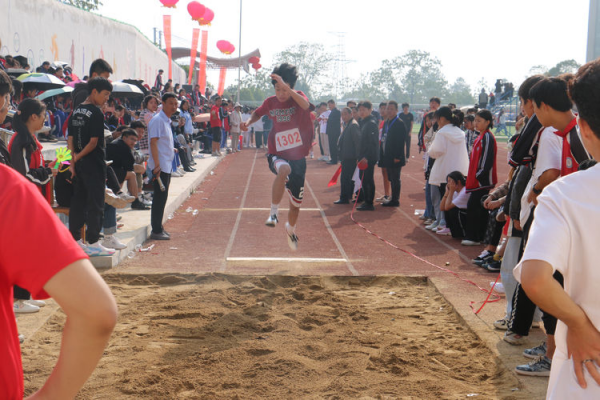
391, 153
334, 128
368, 154
348, 147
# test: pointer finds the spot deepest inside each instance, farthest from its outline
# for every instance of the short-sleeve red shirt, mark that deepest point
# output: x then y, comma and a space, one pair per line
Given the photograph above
288, 117
215, 120
34, 246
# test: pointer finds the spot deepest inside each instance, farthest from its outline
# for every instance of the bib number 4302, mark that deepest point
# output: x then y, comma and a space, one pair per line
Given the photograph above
289, 139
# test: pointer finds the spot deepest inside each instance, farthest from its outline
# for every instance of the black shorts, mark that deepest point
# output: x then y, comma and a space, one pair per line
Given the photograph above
216, 134
295, 180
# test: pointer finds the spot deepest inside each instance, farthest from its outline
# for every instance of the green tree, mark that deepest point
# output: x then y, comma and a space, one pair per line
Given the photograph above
460, 93
254, 87
563, 67
87, 5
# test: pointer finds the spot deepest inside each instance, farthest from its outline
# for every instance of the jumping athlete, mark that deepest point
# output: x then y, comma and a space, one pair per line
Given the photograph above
289, 142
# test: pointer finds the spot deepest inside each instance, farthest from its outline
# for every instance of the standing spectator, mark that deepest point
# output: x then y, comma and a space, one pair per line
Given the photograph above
98, 68
235, 121
215, 126
368, 154
267, 126
409, 120
258, 133
160, 162
324, 141
196, 98
349, 146
392, 156
501, 123
481, 178
150, 106
483, 99
333, 130
470, 133
88, 167
386, 181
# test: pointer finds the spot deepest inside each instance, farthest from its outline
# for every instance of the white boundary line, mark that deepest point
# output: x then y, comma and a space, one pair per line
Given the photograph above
253, 209
330, 230
287, 259
238, 219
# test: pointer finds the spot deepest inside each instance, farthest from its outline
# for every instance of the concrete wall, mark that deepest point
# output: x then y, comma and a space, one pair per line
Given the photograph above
46, 30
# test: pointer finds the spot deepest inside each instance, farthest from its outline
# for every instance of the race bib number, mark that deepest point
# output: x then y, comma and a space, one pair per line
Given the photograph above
289, 139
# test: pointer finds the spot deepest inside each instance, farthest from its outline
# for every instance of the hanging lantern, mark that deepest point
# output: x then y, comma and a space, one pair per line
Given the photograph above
196, 10
256, 66
207, 18
253, 60
169, 3
225, 47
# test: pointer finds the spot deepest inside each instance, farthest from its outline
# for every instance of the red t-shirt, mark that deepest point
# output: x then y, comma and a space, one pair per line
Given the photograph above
215, 121
34, 246
292, 132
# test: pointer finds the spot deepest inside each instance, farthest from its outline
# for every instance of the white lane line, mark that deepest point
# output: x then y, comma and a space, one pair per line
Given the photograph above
286, 259
253, 209
351, 268
237, 220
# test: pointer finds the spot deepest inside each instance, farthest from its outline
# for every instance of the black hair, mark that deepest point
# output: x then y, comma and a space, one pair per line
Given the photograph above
350, 102
587, 164
27, 108
527, 85
322, 104
472, 110
138, 124
147, 100
455, 118
160, 70
405, 105
470, 117
584, 91
99, 84
486, 115
383, 104
553, 92
17, 89
46, 63
393, 103
435, 100
23, 61
366, 104
331, 101
347, 110
429, 115
288, 73
457, 177
168, 95
128, 132
121, 128
119, 107
5, 83
100, 66
168, 85
184, 101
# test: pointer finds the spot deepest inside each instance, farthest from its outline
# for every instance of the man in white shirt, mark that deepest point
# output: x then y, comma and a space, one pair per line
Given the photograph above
323, 116
561, 240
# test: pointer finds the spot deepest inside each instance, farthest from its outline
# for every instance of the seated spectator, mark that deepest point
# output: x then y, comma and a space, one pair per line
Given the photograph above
116, 118
454, 204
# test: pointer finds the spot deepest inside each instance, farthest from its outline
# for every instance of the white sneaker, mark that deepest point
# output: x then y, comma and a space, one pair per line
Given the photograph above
37, 303
81, 244
97, 250
176, 174
272, 221
433, 226
292, 238
22, 307
111, 242
469, 243
440, 228
112, 199
126, 197
181, 171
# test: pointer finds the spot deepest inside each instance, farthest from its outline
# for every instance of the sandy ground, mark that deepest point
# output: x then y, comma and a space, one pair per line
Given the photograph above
232, 337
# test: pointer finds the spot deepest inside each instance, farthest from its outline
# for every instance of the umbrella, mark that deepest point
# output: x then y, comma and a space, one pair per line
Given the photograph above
122, 89
16, 72
137, 83
54, 92
40, 81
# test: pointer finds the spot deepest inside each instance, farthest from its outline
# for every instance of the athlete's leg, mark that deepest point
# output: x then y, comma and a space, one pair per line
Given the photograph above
279, 184
293, 214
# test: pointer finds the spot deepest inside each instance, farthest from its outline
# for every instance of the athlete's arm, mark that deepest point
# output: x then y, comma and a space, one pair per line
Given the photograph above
253, 119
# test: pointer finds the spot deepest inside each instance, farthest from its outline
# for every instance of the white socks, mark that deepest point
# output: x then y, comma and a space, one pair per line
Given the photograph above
274, 209
290, 229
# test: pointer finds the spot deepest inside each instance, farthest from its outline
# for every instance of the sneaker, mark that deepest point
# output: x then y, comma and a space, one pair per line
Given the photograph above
160, 236
272, 221
428, 221
498, 287
383, 199
467, 242
536, 351
432, 226
176, 174
538, 367
444, 232
22, 307
113, 200
493, 266
215, 154
536, 325
126, 197
292, 238
513, 338
501, 324
484, 257
111, 242
440, 227
81, 244
37, 303
138, 205
97, 250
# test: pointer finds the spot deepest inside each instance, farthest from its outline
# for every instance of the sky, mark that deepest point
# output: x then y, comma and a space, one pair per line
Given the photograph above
473, 39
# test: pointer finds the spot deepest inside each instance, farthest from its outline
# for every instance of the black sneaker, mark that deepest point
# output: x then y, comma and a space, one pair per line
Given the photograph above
485, 257
539, 367
365, 207
138, 205
493, 265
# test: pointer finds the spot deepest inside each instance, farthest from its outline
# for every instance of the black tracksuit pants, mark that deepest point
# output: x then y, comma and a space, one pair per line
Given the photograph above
87, 204
346, 182
333, 146
159, 201
477, 216
368, 183
393, 174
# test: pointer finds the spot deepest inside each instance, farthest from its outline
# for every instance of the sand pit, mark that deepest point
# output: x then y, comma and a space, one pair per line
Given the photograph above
236, 337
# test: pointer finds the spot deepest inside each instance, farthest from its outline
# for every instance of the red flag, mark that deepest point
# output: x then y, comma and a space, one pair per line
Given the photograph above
222, 76
335, 177
167, 29
195, 36
202, 73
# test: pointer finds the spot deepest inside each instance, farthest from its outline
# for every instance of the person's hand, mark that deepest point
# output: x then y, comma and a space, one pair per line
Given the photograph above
279, 80
517, 225
362, 160
72, 169
396, 160
487, 204
451, 186
176, 151
52, 164
244, 127
156, 171
583, 345
532, 197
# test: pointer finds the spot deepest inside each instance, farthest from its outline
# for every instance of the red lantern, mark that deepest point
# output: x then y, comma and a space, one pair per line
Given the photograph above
225, 47
169, 3
253, 60
207, 18
256, 66
196, 10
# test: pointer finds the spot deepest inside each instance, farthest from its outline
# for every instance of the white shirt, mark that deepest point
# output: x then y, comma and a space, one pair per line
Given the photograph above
160, 127
563, 235
323, 121
258, 125
549, 156
460, 199
449, 149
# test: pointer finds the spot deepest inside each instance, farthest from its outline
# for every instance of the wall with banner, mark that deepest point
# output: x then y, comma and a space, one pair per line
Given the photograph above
47, 30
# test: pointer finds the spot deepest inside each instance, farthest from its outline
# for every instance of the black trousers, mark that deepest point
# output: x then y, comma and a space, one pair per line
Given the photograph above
159, 201
477, 216
393, 174
20, 294
333, 146
346, 182
368, 183
456, 220
87, 205
112, 181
